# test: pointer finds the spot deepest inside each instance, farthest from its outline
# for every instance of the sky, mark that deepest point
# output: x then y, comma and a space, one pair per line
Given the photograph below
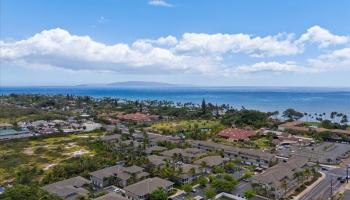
207, 42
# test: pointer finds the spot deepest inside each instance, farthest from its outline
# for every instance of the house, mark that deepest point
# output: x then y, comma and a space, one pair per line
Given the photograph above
111, 138
138, 118
104, 177
126, 145
246, 156
155, 149
289, 139
155, 139
236, 134
111, 196
156, 161
141, 190
210, 162
69, 189
281, 178
121, 176
189, 173
185, 155
5, 126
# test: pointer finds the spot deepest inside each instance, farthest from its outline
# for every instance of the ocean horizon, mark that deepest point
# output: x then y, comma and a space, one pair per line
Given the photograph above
305, 99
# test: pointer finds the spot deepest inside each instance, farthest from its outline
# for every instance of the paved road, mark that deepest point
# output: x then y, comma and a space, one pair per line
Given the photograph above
323, 189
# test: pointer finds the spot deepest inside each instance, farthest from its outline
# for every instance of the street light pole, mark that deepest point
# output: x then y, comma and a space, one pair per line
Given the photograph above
347, 173
331, 188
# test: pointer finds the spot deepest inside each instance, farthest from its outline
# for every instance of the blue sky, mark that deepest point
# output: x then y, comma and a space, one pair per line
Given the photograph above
242, 42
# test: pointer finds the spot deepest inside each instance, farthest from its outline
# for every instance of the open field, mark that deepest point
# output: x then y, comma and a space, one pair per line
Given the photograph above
42, 152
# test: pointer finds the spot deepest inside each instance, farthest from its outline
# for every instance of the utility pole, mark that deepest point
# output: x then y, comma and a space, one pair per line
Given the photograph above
347, 173
331, 188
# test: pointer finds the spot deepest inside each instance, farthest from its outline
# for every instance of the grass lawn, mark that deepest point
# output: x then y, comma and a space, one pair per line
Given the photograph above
262, 143
41, 152
188, 125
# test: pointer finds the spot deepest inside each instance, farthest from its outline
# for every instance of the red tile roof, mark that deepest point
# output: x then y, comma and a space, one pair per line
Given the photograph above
236, 133
138, 117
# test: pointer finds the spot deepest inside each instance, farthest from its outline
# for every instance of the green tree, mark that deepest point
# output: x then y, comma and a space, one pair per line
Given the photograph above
203, 181
209, 193
204, 107
292, 114
249, 193
187, 188
159, 194
26, 192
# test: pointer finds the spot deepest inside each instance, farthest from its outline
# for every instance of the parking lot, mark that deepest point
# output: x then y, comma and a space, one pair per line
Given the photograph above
325, 153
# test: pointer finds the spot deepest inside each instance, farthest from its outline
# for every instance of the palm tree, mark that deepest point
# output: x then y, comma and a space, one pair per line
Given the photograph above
307, 173
192, 171
284, 186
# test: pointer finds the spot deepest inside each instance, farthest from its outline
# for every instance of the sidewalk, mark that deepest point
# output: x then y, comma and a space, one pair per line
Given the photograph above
178, 192
344, 187
310, 187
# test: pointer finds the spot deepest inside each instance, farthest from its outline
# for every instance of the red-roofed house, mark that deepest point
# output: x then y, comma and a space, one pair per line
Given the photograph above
236, 134
139, 117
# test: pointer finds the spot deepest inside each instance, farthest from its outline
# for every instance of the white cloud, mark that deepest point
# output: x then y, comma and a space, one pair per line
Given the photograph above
323, 37
270, 67
160, 3
59, 48
197, 53
278, 45
337, 59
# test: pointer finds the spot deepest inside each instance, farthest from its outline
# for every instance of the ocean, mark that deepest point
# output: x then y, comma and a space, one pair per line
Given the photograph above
310, 100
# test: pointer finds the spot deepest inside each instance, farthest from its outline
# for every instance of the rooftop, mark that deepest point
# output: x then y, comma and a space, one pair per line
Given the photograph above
68, 188
236, 133
147, 186
111, 196
210, 160
275, 174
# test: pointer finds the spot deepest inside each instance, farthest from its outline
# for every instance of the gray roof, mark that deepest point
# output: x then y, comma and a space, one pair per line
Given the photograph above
111, 196
69, 188
133, 169
120, 172
155, 148
274, 175
147, 186
189, 152
106, 172
186, 168
156, 160
211, 161
233, 150
111, 137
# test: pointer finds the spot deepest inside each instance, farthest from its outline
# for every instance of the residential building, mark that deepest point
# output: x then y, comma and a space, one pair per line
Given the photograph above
138, 117
155, 149
236, 134
5, 126
69, 189
119, 175
155, 161
276, 181
111, 196
247, 156
209, 162
141, 190
189, 173
111, 138
185, 155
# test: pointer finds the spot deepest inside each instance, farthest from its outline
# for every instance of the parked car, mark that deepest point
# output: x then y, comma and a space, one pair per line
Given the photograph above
342, 179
